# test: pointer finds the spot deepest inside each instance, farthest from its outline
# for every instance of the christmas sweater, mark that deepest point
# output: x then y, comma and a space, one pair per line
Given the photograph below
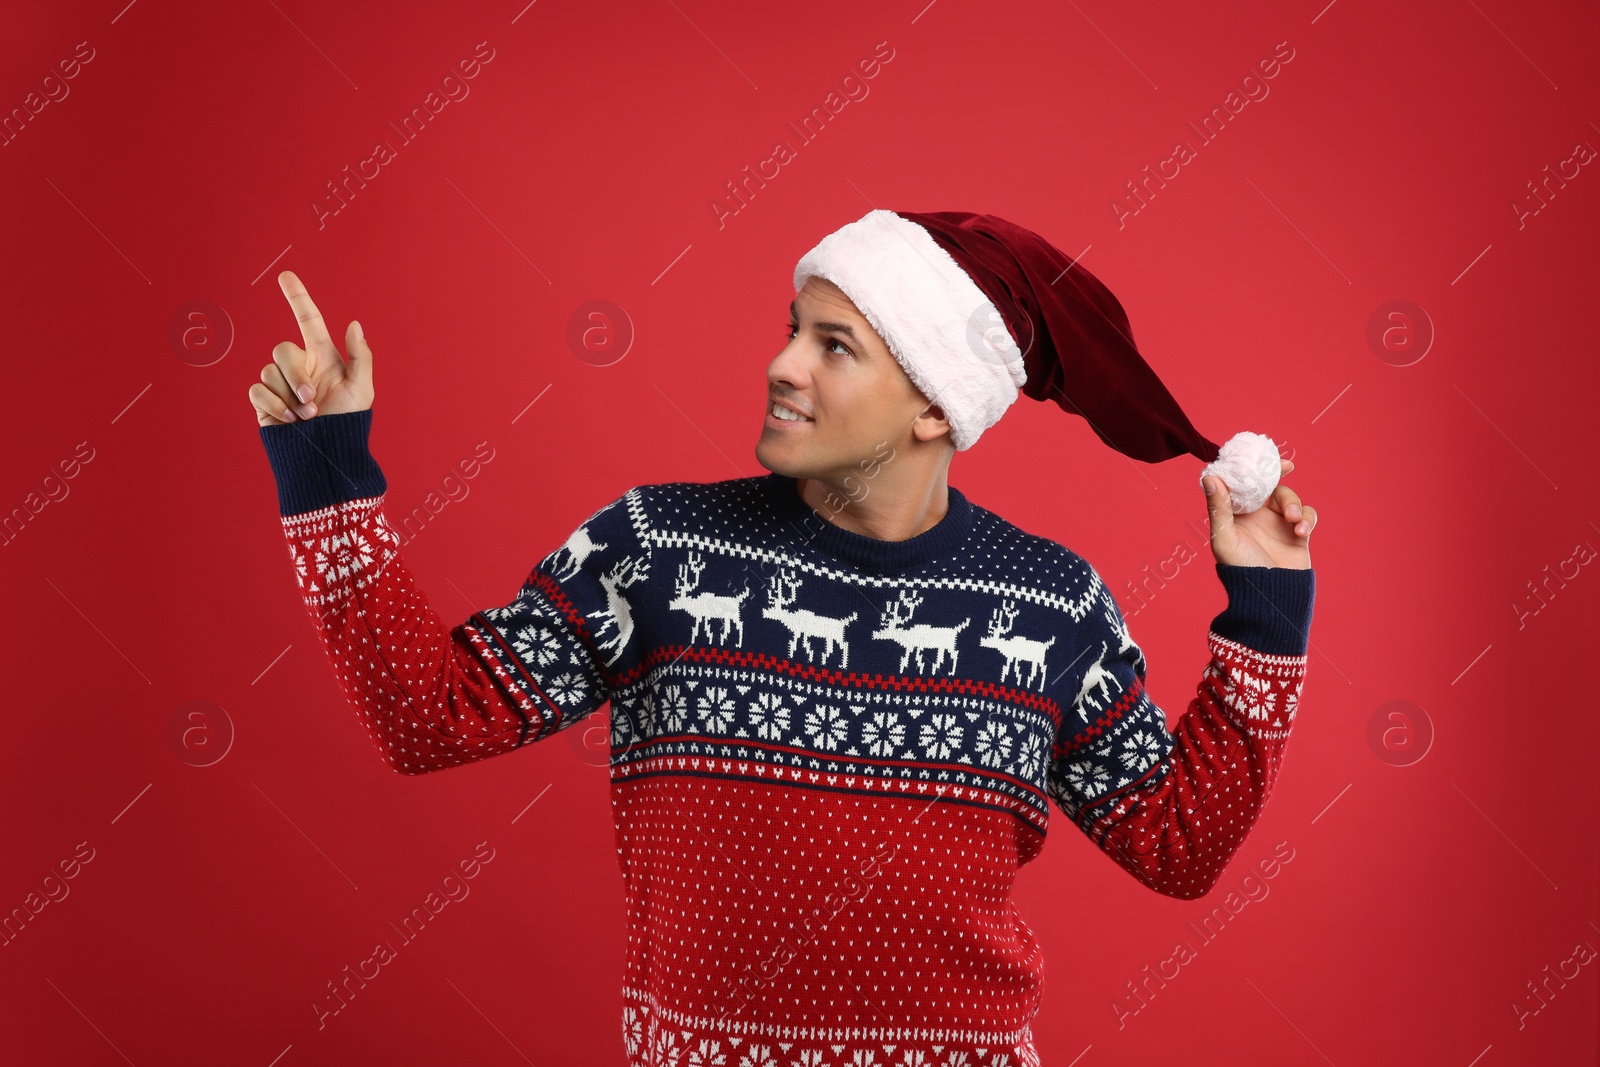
830, 754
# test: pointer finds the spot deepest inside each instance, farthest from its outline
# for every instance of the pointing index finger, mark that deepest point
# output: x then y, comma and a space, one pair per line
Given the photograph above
312, 329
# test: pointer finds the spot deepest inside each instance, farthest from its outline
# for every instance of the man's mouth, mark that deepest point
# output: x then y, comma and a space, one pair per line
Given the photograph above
783, 414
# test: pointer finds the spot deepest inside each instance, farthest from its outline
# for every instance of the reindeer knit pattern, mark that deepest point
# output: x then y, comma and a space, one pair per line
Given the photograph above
830, 754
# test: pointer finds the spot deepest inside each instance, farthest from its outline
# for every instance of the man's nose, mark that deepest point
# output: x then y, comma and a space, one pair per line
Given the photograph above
788, 368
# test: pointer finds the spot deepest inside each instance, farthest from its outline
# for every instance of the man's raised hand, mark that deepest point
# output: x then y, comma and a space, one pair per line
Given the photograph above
301, 383
1277, 534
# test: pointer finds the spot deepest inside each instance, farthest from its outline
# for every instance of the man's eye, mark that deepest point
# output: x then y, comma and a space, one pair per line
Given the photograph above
789, 329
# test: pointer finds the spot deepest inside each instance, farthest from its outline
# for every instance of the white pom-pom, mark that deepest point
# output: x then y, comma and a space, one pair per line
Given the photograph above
1249, 464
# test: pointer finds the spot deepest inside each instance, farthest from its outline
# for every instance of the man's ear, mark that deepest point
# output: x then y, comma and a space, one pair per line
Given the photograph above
930, 423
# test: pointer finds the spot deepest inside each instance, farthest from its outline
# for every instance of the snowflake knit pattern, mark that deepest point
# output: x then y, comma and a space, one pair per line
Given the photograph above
830, 754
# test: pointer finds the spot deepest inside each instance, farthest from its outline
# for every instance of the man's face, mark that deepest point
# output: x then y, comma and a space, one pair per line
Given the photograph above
835, 370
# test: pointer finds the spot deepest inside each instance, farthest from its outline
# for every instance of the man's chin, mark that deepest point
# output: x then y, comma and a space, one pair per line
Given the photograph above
778, 459
770, 458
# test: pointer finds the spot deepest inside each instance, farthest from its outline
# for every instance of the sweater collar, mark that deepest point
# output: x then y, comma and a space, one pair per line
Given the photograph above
872, 554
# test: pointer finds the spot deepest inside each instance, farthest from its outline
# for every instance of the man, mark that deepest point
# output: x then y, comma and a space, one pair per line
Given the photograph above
840, 693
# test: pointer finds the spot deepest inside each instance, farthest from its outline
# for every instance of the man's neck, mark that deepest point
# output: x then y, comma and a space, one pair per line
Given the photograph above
879, 508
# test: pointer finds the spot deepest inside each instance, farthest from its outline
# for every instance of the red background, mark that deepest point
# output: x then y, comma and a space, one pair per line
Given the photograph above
1383, 165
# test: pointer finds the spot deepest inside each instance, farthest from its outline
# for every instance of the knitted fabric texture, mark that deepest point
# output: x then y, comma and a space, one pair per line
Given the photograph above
830, 754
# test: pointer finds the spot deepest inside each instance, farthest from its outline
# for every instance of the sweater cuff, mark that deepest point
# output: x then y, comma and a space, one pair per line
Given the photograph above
322, 461
1269, 608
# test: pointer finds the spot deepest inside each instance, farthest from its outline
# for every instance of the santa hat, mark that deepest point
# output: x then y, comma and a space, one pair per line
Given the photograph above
976, 309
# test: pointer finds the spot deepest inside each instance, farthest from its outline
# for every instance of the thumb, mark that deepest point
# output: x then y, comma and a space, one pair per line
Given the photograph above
1218, 503
358, 355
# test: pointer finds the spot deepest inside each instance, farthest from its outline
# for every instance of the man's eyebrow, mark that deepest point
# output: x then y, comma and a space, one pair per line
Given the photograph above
829, 327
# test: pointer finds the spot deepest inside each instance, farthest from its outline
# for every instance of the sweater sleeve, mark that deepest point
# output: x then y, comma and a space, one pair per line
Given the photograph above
433, 697
1172, 807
